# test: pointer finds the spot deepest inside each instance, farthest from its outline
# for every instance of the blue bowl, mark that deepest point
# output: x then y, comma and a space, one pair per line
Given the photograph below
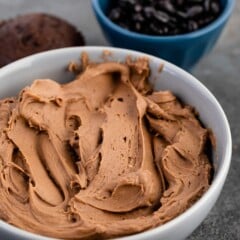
184, 50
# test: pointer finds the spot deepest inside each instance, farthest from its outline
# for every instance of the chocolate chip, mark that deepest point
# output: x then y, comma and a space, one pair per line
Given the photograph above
215, 7
207, 5
155, 29
148, 11
138, 17
168, 6
138, 26
138, 8
161, 16
182, 14
179, 2
115, 14
194, 11
192, 25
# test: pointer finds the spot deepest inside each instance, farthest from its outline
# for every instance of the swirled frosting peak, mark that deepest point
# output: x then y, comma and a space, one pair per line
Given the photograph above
99, 157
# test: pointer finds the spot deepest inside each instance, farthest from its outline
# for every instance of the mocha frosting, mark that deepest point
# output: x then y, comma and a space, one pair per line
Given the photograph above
102, 156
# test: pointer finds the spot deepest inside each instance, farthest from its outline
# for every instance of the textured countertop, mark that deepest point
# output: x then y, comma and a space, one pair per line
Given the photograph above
219, 71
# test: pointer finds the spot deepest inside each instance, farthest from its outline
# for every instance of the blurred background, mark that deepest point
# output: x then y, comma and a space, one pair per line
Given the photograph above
219, 71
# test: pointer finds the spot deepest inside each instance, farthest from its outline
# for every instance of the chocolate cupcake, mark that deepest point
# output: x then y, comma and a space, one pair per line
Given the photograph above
34, 33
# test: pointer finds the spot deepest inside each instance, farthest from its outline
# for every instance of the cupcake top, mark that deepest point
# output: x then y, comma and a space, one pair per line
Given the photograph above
34, 33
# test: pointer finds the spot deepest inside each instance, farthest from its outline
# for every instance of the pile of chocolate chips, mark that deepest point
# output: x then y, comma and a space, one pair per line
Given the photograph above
163, 17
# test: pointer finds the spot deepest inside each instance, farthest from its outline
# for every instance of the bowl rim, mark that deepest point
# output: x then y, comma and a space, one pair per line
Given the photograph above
220, 20
219, 178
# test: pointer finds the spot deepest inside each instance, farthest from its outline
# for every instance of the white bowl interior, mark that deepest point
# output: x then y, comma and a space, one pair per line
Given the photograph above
53, 65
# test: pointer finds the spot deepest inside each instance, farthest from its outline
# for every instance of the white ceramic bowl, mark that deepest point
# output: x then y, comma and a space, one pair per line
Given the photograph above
52, 64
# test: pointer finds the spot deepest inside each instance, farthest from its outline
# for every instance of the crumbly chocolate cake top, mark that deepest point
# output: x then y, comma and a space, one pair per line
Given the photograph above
33, 33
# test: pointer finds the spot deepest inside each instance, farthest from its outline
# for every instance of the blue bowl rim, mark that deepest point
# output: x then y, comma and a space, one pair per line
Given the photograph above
202, 31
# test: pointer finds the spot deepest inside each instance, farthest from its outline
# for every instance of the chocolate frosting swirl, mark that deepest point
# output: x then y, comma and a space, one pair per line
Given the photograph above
99, 157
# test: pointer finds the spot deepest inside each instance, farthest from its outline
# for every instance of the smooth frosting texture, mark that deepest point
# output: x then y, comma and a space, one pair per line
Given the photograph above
101, 156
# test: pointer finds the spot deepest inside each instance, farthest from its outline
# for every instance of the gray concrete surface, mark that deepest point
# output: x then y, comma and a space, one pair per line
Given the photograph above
219, 71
